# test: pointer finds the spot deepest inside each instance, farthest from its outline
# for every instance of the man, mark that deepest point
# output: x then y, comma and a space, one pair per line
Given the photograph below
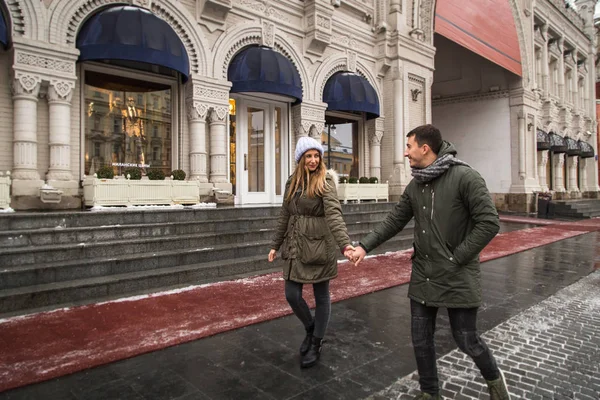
454, 220
133, 126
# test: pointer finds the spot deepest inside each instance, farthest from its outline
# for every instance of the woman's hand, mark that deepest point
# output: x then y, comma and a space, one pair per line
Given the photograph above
272, 255
349, 252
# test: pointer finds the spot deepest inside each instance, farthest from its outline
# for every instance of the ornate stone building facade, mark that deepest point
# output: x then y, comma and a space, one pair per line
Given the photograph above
77, 98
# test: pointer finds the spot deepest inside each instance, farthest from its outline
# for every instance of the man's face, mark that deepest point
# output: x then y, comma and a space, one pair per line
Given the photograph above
414, 153
130, 102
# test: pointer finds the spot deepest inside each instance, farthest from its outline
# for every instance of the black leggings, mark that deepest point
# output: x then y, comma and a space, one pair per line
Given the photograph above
293, 295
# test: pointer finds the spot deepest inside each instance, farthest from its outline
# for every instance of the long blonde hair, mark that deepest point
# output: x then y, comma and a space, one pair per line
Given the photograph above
303, 180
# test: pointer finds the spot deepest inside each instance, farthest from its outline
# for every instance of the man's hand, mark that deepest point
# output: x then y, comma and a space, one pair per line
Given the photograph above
359, 255
272, 255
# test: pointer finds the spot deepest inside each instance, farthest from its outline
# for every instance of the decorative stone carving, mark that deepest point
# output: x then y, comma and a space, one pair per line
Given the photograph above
218, 114
264, 8
213, 13
26, 84
18, 19
210, 94
426, 13
307, 115
375, 137
268, 35
351, 61
318, 27
197, 110
60, 90
48, 63
141, 3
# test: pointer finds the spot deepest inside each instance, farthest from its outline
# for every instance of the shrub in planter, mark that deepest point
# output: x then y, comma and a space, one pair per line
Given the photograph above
135, 173
105, 173
373, 179
178, 175
363, 179
156, 175
353, 179
343, 179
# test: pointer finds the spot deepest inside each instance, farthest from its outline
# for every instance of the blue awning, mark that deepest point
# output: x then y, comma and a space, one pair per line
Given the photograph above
346, 91
3, 31
263, 70
132, 34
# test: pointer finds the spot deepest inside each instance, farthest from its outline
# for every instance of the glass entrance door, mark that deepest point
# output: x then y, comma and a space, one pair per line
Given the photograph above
260, 139
256, 158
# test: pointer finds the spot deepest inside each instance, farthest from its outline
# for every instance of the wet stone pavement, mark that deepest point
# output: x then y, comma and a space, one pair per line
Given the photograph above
549, 351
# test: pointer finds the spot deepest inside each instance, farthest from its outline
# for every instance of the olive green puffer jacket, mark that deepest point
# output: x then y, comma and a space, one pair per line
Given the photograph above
455, 219
311, 233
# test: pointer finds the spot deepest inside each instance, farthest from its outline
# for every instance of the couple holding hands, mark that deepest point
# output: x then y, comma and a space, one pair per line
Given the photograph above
455, 219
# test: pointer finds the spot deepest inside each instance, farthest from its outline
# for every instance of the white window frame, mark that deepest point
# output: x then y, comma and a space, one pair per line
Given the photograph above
362, 166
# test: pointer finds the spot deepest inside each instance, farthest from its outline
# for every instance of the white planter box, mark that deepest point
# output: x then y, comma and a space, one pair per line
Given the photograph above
363, 191
5, 191
126, 192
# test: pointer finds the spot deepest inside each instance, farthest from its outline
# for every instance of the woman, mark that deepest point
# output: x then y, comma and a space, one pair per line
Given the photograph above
309, 232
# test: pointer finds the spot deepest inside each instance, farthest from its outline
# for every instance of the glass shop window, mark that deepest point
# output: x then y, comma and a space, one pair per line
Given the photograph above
120, 130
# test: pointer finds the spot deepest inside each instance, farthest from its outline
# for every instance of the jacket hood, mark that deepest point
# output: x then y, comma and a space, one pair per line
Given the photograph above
447, 148
334, 175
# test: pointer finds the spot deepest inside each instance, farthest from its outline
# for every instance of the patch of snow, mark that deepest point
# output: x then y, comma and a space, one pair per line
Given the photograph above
204, 205
7, 210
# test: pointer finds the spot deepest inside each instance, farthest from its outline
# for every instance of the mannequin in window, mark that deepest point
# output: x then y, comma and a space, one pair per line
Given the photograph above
133, 126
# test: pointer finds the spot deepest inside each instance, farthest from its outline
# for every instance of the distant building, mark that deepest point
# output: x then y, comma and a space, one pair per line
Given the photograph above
222, 89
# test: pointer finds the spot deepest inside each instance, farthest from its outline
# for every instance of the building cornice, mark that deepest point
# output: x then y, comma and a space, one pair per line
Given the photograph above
468, 99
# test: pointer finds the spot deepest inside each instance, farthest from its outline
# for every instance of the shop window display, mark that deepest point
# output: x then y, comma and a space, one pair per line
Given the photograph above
127, 124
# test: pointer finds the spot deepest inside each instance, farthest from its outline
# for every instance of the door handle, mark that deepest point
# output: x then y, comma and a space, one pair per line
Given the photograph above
245, 162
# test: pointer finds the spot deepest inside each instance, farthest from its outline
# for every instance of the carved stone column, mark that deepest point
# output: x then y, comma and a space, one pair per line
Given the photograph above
59, 102
572, 183
308, 119
522, 146
26, 89
399, 139
545, 59
585, 187
561, 69
559, 163
375, 131
218, 144
197, 112
542, 163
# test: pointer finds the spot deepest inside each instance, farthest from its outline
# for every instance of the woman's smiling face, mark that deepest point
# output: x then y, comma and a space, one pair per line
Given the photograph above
312, 159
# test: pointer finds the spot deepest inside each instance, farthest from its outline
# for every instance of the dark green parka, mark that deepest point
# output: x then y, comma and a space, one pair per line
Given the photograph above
311, 233
455, 219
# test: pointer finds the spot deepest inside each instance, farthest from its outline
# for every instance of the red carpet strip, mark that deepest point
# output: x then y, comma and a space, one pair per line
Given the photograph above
46, 345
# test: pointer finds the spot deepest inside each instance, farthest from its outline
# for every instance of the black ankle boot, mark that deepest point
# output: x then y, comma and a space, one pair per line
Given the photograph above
313, 354
307, 339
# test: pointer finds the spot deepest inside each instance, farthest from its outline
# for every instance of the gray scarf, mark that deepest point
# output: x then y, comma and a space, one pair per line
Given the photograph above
437, 168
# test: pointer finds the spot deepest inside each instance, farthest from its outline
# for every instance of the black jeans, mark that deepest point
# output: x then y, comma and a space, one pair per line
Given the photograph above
293, 295
463, 322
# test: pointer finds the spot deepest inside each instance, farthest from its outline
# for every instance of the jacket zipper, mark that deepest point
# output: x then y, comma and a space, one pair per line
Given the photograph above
432, 202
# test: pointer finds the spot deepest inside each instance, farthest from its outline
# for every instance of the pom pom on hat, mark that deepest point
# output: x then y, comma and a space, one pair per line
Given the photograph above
306, 143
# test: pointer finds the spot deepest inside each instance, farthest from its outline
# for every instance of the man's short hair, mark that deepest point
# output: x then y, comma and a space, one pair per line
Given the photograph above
429, 135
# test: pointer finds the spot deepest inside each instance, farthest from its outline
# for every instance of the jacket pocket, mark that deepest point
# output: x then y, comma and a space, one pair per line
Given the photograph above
313, 249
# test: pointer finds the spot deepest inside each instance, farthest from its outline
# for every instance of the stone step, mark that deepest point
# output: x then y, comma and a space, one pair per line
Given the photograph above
587, 208
31, 298
35, 255
157, 254
103, 233
61, 220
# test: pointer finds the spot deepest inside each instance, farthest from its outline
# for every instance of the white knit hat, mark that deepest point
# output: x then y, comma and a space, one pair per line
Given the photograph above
306, 143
